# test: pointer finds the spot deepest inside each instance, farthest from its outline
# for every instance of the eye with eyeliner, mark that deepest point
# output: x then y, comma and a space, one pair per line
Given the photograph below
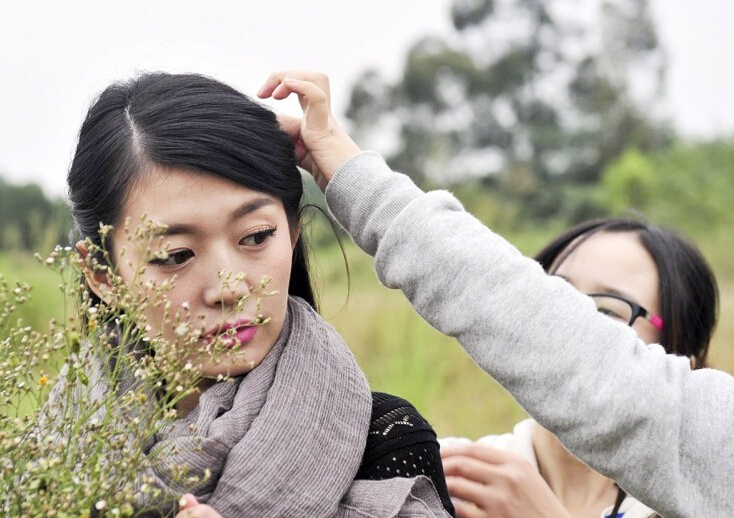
177, 257
258, 237
173, 258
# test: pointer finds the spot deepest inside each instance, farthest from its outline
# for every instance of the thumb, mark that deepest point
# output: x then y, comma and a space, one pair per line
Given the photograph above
187, 500
290, 125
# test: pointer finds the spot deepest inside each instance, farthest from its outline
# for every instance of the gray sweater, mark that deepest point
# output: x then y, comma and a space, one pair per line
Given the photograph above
663, 432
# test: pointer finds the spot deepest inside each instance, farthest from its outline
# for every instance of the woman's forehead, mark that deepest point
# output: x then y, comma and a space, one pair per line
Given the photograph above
180, 195
613, 260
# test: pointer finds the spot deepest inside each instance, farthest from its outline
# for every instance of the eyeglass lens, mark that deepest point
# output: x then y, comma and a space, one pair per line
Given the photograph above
614, 308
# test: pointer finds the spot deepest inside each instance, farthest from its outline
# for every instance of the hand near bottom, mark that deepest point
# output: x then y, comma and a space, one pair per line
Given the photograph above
191, 508
487, 482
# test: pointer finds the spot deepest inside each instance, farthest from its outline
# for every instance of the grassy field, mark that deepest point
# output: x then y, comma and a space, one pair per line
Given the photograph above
46, 296
399, 352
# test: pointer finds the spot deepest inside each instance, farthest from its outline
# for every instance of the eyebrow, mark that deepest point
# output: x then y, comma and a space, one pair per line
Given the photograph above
603, 289
243, 210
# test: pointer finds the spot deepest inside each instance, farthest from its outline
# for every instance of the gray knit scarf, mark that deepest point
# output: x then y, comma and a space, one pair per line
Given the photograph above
287, 439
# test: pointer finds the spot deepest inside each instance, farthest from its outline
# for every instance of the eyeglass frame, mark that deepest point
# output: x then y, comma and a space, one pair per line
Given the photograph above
637, 310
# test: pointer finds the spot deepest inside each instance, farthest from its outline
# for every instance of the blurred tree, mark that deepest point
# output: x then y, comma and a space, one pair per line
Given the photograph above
533, 90
29, 221
628, 182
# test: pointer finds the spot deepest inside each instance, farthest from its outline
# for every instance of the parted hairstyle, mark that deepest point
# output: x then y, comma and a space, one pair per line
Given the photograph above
688, 292
184, 121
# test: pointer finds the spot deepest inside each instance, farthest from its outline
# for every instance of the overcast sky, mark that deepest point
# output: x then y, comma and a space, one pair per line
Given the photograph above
55, 55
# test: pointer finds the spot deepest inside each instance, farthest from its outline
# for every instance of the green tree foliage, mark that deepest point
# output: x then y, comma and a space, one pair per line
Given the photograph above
689, 186
29, 221
531, 91
629, 181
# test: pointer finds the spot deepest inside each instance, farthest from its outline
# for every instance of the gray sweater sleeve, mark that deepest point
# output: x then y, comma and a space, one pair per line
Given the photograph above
639, 416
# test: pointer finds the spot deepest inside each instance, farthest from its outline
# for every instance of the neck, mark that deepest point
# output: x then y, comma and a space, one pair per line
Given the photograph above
581, 490
187, 403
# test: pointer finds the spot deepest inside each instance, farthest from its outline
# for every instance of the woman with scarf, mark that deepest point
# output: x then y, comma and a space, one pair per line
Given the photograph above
281, 416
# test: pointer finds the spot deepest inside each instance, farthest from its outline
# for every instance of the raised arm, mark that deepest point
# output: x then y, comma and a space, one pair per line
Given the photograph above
628, 410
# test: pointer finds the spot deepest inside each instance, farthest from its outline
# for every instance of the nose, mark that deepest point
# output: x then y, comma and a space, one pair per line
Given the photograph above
226, 285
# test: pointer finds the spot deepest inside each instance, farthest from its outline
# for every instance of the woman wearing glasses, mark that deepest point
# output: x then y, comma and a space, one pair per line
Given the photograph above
641, 417
640, 275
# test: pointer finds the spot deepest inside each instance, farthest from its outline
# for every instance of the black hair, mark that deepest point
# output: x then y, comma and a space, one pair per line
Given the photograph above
184, 121
688, 292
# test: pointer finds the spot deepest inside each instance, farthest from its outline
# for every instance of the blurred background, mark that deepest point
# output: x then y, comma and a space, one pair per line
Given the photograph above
536, 114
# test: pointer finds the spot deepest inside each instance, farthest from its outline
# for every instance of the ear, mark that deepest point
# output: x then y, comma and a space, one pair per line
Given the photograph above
98, 282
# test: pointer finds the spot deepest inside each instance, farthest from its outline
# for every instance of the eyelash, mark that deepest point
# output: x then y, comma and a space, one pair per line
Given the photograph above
259, 236
179, 257
172, 258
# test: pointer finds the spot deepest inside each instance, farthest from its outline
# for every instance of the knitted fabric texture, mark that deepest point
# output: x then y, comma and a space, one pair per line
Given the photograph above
401, 443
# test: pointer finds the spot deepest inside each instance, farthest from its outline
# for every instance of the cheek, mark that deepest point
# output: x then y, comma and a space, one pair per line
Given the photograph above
162, 307
154, 316
278, 266
279, 281
646, 331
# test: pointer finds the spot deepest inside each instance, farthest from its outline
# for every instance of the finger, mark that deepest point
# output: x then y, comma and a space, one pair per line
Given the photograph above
470, 468
276, 79
477, 451
291, 125
456, 448
314, 101
273, 87
286, 87
464, 509
270, 84
187, 500
468, 491
302, 157
199, 511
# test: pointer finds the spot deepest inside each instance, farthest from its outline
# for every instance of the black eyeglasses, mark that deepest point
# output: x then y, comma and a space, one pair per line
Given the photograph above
624, 310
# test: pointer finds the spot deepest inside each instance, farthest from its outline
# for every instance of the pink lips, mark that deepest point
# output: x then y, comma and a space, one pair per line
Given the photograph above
244, 332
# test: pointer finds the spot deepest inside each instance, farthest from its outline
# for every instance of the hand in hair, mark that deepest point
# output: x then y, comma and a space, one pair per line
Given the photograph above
485, 481
321, 144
